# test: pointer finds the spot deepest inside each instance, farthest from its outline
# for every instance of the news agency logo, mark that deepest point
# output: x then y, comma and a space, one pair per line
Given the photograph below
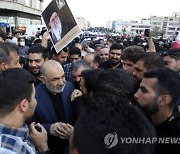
149, 140
111, 140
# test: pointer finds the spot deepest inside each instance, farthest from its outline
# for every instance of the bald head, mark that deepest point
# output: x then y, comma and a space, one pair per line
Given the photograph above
89, 57
49, 67
53, 76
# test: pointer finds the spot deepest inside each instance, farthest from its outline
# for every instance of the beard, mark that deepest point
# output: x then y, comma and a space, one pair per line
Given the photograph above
114, 62
57, 89
57, 30
151, 108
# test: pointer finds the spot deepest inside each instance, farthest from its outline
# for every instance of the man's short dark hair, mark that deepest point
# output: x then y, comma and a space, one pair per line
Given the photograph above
77, 39
53, 51
99, 129
117, 82
173, 53
16, 85
5, 49
116, 46
90, 77
168, 82
37, 48
131, 53
151, 60
16, 32
75, 51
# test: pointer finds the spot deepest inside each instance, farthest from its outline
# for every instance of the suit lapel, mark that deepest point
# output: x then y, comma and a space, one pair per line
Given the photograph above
48, 104
66, 104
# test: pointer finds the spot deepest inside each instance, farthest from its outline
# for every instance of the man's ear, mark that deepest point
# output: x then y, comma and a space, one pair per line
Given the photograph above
42, 78
178, 64
3, 66
96, 65
53, 56
164, 100
24, 105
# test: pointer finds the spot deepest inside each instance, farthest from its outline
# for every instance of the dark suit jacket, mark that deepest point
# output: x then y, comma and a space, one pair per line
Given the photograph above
45, 113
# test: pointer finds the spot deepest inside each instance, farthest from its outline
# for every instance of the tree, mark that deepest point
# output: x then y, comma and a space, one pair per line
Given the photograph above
156, 31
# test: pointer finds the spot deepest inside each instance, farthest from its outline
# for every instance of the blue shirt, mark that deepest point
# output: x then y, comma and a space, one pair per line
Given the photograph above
67, 71
15, 140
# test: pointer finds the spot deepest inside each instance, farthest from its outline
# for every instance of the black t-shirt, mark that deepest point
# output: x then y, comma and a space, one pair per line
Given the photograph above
107, 65
57, 145
170, 130
58, 106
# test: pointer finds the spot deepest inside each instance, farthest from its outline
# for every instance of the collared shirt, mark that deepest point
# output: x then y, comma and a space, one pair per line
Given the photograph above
15, 140
67, 71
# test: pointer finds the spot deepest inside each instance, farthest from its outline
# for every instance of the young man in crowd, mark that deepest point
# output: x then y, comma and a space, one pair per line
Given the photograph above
114, 60
37, 56
172, 59
106, 124
159, 91
17, 105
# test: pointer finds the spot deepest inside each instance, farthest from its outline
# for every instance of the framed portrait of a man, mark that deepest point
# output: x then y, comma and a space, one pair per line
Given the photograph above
60, 23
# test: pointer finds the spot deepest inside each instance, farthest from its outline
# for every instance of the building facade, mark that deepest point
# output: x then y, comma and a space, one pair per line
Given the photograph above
166, 24
19, 13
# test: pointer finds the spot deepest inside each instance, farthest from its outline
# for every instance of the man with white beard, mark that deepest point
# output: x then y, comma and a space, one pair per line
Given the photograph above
54, 109
56, 27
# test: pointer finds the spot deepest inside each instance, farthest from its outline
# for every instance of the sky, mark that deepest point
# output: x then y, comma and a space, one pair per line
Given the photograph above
97, 12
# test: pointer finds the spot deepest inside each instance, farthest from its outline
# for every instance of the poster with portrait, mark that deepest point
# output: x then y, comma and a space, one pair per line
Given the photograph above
60, 23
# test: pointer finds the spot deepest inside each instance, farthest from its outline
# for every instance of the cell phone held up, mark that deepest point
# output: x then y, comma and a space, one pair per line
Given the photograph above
147, 32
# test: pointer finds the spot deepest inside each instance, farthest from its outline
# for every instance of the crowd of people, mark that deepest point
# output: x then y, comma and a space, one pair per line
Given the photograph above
92, 97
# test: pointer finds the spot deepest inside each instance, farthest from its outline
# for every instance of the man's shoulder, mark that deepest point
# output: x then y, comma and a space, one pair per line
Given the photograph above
12, 140
14, 144
40, 86
67, 66
170, 127
104, 64
41, 90
69, 86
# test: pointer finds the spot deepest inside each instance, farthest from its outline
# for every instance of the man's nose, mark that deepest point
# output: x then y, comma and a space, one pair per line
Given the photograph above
136, 95
115, 55
33, 63
134, 73
61, 82
19, 65
78, 79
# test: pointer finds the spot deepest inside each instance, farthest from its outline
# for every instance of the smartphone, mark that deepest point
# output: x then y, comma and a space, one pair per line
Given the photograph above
147, 32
